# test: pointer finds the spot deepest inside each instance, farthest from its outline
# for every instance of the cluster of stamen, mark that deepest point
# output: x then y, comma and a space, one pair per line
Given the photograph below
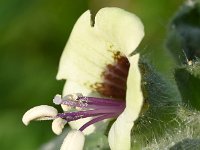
98, 108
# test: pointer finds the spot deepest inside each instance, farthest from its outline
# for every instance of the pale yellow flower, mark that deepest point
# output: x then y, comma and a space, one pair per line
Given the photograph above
97, 65
89, 54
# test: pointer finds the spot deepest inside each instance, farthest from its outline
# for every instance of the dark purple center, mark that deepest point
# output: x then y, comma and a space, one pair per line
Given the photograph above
114, 78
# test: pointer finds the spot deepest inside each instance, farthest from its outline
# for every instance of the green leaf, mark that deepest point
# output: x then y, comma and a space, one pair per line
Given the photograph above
184, 33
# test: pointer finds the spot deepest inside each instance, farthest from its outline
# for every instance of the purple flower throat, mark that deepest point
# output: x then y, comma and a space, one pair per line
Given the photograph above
83, 107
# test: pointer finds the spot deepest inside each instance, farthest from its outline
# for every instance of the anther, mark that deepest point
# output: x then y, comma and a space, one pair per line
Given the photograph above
74, 96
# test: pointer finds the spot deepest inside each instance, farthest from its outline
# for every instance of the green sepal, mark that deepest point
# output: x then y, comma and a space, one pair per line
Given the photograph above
162, 98
96, 141
187, 144
188, 81
157, 90
156, 133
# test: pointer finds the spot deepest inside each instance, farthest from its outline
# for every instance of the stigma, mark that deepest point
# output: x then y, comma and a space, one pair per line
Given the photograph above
80, 106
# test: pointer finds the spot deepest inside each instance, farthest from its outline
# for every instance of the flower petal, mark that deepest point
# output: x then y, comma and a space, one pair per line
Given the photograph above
134, 96
119, 134
121, 28
83, 50
42, 112
90, 49
73, 87
58, 125
73, 141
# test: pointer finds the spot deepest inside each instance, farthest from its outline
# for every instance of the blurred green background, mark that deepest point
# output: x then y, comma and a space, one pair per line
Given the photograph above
33, 34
